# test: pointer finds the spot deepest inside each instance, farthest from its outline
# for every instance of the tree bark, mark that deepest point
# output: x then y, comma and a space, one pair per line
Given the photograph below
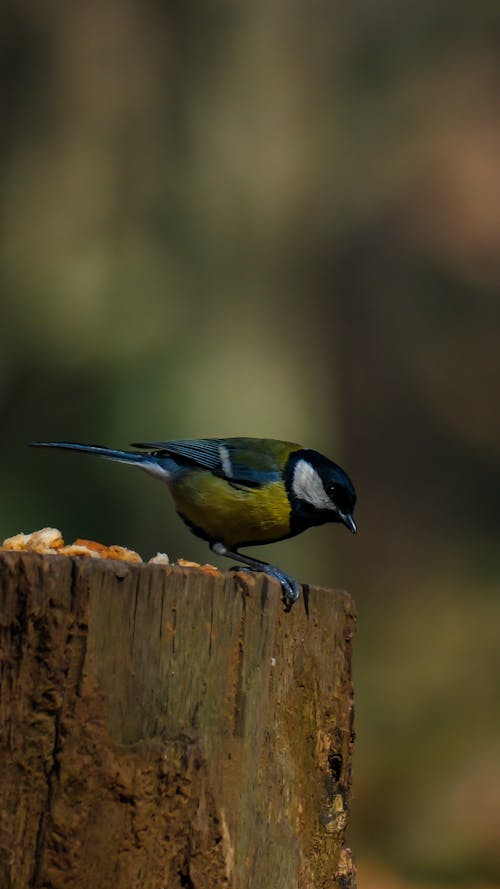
162, 727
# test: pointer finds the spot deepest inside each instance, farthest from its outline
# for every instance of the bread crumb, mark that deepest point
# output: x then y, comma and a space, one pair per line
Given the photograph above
49, 541
45, 540
208, 569
160, 559
120, 552
18, 542
75, 549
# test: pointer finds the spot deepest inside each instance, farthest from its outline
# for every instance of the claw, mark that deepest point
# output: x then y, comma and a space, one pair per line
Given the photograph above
291, 589
289, 586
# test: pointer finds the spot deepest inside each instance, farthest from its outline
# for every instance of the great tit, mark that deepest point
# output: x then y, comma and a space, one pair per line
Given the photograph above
236, 492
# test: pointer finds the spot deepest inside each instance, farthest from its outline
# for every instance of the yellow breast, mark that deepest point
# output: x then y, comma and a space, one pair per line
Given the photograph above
234, 516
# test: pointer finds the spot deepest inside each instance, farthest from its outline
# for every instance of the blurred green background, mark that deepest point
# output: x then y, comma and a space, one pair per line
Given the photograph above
281, 220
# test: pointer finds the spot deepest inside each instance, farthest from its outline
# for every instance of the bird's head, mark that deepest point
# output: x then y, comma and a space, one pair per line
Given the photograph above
319, 490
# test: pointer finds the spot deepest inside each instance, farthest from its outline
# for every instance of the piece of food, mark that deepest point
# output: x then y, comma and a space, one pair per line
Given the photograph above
160, 559
208, 569
49, 541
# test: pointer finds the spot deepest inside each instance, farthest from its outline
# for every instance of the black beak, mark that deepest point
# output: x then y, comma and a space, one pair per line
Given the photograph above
348, 521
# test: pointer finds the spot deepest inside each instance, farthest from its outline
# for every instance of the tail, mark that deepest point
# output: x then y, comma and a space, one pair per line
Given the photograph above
160, 467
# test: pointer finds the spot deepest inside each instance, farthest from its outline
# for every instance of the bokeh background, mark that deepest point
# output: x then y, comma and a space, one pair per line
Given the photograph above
281, 219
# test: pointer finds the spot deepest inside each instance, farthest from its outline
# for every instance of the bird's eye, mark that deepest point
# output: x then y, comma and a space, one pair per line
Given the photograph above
331, 489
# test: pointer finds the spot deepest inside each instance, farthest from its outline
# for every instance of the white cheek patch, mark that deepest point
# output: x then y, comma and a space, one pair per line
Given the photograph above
307, 485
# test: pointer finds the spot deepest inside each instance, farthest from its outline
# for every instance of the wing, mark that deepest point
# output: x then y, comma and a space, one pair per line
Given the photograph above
246, 461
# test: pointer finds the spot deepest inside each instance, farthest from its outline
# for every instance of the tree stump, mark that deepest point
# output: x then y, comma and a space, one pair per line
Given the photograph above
163, 727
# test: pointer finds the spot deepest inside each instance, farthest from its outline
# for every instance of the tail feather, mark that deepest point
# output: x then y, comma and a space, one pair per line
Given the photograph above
158, 467
108, 453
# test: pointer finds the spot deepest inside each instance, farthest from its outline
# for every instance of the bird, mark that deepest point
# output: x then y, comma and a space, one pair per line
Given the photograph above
240, 492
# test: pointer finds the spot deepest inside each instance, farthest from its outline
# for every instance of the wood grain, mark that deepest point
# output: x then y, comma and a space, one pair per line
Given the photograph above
161, 728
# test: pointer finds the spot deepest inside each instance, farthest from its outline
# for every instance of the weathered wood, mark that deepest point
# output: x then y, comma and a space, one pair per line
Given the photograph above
163, 728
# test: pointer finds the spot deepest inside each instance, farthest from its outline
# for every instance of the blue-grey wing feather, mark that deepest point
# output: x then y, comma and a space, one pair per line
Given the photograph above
203, 452
218, 455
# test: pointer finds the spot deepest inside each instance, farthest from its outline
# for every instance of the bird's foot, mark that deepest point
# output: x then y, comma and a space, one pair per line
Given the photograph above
289, 586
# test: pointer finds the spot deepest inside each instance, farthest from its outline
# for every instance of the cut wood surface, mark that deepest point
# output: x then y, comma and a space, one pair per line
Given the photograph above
162, 727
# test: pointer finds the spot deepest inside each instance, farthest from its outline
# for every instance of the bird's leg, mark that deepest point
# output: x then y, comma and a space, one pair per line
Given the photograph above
290, 587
